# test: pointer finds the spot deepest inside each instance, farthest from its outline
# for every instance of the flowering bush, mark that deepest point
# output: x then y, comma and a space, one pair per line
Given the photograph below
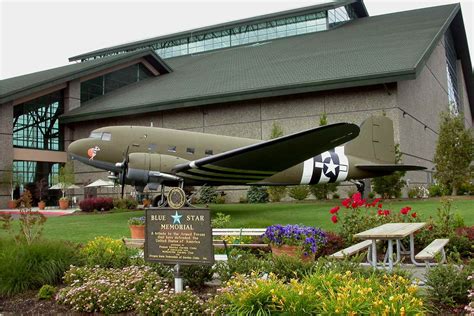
319, 293
137, 221
106, 252
359, 214
107, 290
156, 300
470, 295
98, 203
294, 235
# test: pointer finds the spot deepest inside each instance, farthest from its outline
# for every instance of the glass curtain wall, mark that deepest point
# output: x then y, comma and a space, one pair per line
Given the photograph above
101, 85
451, 59
37, 177
36, 123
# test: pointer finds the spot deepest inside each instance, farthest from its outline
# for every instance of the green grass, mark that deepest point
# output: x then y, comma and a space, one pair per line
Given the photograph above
81, 228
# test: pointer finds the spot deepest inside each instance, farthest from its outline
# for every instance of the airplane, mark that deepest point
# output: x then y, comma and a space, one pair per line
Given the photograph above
153, 156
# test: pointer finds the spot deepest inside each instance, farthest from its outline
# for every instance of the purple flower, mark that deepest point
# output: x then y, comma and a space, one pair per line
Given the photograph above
309, 237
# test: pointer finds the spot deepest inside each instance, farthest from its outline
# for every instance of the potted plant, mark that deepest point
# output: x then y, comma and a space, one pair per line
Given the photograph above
294, 240
137, 227
41, 187
11, 180
65, 179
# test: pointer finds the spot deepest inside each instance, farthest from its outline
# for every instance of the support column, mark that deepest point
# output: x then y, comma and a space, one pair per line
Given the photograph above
6, 146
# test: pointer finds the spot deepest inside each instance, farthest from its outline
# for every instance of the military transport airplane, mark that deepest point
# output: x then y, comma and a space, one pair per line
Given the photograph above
153, 156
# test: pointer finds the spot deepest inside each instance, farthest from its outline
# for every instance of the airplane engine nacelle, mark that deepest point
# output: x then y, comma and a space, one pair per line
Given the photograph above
144, 168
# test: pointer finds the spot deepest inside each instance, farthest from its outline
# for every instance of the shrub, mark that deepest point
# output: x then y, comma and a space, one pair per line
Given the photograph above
257, 194
155, 301
46, 292
466, 188
106, 252
109, 291
287, 268
24, 267
220, 199
96, 203
276, 193
221, 220
336, 196
299, 192
418, 192
244, 264
196, 275
319, 293
126, 203
207, 195
334, 243
438, 190
447, 285
391, 185
371, 195
470, 307
321, 191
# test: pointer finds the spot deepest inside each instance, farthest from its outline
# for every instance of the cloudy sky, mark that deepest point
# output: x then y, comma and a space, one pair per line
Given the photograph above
37, 34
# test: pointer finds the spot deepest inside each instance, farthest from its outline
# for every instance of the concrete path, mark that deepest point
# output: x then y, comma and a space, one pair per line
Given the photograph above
48, 212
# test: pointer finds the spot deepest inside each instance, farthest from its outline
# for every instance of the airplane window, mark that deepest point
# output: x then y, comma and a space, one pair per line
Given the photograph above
152, 148
95, 135
190, 150
172, 149
106, 136
209, 152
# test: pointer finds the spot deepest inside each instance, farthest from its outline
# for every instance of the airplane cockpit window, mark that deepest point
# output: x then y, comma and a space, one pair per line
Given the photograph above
172, 149
208, 152
190, 150
106, 136
96, 135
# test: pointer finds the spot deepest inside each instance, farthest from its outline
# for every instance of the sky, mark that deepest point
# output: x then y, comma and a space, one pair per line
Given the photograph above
38, 35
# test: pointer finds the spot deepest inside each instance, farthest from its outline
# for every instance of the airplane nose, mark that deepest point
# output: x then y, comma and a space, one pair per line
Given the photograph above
77, 148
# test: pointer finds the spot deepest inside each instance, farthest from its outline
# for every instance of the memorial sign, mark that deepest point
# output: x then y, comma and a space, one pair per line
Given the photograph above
179, 236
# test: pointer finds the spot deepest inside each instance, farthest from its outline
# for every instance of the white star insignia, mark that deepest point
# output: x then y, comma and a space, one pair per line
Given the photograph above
176, 218
331, 167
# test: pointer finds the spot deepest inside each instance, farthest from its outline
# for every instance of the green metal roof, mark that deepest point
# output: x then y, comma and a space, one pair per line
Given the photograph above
358, 6
20, 86
372, 50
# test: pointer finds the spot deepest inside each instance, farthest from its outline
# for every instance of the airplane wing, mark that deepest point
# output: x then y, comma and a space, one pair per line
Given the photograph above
259, 161
389, 168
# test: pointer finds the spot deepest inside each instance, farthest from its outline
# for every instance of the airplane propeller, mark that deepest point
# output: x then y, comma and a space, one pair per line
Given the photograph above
124, 166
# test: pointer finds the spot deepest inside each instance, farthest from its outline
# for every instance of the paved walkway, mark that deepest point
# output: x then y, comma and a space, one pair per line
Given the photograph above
48, 212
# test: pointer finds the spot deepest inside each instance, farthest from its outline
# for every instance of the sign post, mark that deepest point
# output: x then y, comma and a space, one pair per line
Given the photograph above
180, 237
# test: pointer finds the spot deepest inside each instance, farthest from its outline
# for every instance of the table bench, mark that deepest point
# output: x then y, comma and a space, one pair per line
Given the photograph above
430, 251
349, 251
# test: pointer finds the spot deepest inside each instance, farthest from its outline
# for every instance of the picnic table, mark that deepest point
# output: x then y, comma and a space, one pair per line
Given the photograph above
392, 232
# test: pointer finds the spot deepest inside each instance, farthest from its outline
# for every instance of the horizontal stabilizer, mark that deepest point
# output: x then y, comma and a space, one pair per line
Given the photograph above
389, 168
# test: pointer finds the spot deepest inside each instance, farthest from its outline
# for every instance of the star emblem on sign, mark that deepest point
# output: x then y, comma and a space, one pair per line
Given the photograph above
176, 218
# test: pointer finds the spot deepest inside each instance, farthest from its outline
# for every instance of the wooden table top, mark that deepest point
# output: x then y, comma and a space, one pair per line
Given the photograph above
390, 231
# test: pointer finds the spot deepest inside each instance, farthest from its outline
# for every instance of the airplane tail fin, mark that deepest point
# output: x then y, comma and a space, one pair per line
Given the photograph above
375, 141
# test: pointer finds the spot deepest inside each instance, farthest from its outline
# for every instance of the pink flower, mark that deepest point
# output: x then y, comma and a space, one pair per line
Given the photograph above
334, 210
334, 219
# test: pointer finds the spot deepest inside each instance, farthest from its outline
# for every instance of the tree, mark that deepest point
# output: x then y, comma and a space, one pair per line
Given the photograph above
321, 191
11, 179
276, 193
65, 177
454, 152
391, 185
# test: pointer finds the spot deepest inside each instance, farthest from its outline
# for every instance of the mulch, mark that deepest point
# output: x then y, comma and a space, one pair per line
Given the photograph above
28, 303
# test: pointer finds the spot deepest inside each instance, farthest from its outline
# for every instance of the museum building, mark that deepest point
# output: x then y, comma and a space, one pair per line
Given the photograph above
240, 77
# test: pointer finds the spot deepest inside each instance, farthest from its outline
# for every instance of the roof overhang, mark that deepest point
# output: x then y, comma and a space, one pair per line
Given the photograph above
240, 96
41, 85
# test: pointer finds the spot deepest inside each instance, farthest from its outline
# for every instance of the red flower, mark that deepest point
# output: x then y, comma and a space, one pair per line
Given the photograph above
334, 219
346, 202
362, 202
405, 210
380, 205
357, 197
334, 210
380, 212
354, 204
413, 214
376, 201
386, 212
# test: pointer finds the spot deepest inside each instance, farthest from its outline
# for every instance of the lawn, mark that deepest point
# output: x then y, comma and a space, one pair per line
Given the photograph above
81, 228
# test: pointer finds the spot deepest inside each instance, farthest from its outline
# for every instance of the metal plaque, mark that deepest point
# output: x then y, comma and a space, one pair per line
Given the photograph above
179, 236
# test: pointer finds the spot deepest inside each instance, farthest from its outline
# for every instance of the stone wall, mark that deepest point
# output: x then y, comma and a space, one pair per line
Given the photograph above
6, 147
